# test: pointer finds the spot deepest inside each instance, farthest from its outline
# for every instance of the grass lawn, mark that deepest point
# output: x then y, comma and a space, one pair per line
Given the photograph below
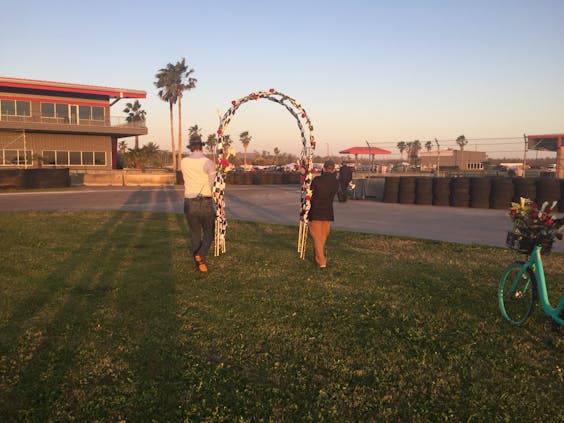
104, 318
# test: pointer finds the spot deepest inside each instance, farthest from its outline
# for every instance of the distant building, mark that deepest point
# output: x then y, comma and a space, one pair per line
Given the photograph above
453, 159
57, 124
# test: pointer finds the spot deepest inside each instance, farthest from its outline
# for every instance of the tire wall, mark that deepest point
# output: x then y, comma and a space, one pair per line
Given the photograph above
391, 190
441, 191
406, 194
460, 192
502, 193
480, 192
524, 187
548, 189
424, 191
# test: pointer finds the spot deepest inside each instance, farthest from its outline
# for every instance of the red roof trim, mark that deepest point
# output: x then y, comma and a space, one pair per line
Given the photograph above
537, 137
72, 88
365, 150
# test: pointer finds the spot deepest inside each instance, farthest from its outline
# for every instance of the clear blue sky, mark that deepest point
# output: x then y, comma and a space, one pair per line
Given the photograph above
378, 71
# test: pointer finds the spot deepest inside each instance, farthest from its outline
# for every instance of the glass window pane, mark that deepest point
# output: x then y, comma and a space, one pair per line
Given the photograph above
62, 110
62, 158
11, 157
99, 158
27, 157
8, 107
87, 158
84, 112
97, 113
23, 108
47, 110
75, 158
49, 157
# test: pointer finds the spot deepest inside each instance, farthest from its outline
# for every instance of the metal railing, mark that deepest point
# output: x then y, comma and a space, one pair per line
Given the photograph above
113, 121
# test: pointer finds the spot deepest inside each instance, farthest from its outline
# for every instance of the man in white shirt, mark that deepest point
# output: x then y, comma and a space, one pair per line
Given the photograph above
199, 173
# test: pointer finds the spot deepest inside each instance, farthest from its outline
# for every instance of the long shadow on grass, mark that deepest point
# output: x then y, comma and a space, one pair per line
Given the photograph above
109, 347
259, 211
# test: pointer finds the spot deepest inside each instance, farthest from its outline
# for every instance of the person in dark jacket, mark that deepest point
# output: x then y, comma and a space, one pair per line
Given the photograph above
324, 188
345, 178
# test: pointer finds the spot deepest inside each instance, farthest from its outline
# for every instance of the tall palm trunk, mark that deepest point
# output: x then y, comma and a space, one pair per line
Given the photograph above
245, 157
137, 142
172, 138
179, 128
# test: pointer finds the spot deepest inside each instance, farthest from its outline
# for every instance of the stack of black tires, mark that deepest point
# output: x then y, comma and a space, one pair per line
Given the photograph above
478, 192
441, 191
460, 192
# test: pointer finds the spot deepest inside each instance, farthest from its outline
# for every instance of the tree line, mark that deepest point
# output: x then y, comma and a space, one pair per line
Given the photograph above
414, 147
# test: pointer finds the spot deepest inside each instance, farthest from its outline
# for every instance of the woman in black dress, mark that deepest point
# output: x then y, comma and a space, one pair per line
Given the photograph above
324, 188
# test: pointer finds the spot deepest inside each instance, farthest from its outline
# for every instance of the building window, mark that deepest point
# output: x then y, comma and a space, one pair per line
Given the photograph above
475, 166
100, 158
15, 108
47, 110
23, 108
91, 113
97, 113
49, 157
74, 158
8, 107
62, 158
62, 110
87, 158
84, 112
15, 157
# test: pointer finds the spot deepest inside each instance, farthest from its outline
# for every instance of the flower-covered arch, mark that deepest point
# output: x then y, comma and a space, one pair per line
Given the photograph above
306, 165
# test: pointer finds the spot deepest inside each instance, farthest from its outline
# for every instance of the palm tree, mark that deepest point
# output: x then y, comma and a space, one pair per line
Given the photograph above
276, 154
226, 142
135, 114
151, 148
211, 143
413, 149
245, 140
194, 132
428, 146
461, 141
122, 145
167, 84
402, 146
184, 83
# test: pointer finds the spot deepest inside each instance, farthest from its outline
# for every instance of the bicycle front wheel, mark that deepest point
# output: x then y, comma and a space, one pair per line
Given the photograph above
517, 294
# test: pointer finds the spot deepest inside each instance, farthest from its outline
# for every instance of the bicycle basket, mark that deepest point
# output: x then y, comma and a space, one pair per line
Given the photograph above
524, 244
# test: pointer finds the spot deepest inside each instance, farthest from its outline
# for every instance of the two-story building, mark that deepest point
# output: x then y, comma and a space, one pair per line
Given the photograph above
452, 159
58, 124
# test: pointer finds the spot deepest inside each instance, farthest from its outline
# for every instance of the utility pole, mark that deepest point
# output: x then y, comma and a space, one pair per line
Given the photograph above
371, 156
25, 149
524, 153
438, 156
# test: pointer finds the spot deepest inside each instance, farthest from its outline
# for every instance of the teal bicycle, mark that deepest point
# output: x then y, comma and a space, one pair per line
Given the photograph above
523, 282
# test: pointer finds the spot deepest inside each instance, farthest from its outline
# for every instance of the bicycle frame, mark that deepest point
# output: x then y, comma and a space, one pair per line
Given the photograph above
535, 263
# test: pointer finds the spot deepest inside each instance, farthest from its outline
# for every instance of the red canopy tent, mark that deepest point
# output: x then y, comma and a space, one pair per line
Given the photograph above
364, 150
370, 151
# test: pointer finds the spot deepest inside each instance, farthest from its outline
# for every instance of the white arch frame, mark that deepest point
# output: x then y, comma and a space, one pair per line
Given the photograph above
306, 165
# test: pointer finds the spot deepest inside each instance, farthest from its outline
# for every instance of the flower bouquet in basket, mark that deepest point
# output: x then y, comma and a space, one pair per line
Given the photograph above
533, 226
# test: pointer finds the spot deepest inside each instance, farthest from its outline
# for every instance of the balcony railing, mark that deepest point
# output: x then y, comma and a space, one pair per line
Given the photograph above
115, 121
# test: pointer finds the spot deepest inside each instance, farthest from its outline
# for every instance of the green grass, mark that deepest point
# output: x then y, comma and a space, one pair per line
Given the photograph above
104, 318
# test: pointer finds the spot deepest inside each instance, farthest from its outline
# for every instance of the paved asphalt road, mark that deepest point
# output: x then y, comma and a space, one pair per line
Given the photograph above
280, 204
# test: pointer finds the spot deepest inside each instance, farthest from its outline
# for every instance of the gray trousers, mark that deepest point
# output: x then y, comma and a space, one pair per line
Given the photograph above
200, 216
